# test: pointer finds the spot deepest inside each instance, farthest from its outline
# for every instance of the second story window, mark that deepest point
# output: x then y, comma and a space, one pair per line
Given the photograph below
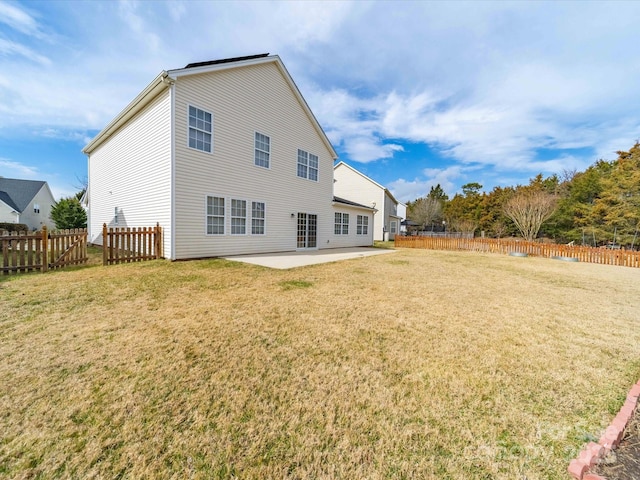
262, 150
307, 165
200, 129
36, 208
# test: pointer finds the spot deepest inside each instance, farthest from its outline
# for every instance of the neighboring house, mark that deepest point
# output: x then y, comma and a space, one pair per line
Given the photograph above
402, 213
26, 201
228, 158
352, 184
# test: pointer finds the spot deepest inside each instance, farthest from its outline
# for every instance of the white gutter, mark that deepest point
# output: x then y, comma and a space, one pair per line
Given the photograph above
160, 83
348, 205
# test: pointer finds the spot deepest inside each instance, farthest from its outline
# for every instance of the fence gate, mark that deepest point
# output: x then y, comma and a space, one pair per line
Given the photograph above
41, 251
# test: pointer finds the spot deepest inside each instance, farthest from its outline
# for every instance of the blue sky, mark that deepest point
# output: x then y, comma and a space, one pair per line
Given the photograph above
411, 93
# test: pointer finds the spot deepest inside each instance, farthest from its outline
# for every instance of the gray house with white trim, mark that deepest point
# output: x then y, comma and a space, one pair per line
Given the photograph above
26, 201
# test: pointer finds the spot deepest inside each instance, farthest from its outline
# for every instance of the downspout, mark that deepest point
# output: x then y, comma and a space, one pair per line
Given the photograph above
172, 179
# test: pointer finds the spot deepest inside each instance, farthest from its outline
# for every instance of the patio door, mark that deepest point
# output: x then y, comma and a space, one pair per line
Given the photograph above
307, 230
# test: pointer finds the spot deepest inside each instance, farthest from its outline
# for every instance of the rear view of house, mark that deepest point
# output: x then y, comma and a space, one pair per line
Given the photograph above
227, 156
27, 202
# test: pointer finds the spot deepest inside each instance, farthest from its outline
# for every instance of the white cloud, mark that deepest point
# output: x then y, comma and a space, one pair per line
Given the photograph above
177, 10
18, 19
12, 169
447, 178
128, 10
483, 83
12, 48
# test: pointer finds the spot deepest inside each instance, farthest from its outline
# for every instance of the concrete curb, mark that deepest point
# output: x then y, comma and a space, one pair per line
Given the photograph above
593, 452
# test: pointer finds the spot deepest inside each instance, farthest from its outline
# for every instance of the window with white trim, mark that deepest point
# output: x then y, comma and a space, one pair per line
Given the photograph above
394, 226
258, 217
341, 224
36, 208
307, 165
200, 129
238, 217
362, 227
215, 216
262, 150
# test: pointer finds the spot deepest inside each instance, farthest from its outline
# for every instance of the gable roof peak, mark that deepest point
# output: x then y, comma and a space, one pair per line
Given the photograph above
18, 193
346, 165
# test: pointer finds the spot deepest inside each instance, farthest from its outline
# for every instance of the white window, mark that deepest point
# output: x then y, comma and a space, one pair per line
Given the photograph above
238, 217
215, 216
200, 129
362, 227
307, 165
313, 167
262, 150
341, 224
36, 208
257, 218
394, 226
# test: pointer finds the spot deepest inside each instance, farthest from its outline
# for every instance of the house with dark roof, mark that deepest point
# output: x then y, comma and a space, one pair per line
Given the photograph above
25, 201
228, 158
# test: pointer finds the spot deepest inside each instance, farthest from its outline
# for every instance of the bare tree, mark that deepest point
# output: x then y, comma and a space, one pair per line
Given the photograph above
425, 210
464, 225
529, 209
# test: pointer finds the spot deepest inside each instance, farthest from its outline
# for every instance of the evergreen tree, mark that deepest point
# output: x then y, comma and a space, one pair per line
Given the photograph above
68, 213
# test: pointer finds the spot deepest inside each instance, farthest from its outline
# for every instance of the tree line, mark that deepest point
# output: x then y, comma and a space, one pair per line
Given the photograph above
600, 206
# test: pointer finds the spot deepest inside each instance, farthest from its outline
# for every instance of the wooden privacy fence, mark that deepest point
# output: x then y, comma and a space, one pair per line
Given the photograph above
41, 251
123, 245
623, 258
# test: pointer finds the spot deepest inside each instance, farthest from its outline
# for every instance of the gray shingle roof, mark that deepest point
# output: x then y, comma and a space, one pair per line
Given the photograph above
18, 193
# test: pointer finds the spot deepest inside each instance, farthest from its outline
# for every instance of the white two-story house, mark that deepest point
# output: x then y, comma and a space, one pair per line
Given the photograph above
355, 185
228, 158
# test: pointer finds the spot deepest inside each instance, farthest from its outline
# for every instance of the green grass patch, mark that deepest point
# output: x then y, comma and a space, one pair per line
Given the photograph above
292, 284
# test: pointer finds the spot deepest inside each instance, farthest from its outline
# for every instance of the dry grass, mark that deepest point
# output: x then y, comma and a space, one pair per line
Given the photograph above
419, 364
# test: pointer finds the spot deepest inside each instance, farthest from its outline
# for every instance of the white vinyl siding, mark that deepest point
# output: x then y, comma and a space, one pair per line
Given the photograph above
200, 129
244, 101
357, 187
43, 201
262, 150
131, 171
215, 216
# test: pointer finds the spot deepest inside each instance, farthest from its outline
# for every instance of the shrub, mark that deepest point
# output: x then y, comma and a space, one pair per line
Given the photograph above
13, 227
68, 213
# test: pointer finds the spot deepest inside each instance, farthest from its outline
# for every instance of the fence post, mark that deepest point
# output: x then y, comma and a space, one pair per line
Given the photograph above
158, 241
45, 249
104, 244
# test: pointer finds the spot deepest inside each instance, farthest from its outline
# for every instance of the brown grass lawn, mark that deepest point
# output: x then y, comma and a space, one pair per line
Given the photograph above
418, 364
